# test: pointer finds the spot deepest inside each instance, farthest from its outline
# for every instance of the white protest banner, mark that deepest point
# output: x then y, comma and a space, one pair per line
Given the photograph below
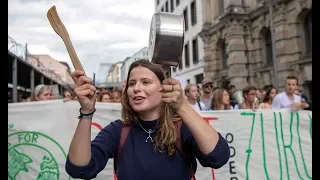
263, 145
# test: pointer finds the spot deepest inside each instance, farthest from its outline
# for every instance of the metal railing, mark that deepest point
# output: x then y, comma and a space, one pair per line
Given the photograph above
22, 52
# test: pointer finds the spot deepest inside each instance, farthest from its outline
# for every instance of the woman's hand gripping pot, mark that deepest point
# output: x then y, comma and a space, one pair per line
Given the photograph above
172, 93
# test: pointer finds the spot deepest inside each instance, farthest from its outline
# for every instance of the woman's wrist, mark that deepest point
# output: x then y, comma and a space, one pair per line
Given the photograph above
87, 111
183, 108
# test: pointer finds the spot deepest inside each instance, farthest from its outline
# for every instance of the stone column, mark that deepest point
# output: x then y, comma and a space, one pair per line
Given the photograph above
207, 11
209, 58
237, 60
280, 33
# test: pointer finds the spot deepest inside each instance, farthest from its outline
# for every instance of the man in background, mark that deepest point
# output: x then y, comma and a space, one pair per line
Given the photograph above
207, 88
289, 99
192, 93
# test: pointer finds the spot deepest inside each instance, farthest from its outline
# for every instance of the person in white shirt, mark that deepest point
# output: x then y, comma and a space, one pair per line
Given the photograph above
288, 99
192, 94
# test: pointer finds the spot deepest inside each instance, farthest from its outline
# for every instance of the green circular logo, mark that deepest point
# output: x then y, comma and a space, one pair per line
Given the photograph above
33, 155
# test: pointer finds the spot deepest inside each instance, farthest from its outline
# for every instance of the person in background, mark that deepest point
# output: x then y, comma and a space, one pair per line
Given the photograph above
19, 98
116, 95
250, 98
271, 92
231, 89
207, 88
220, 100
105, 96
10, 100
289, 99
192, 93
260, 95
151, 106
97, 98
199, 90
265, 88
42, 93
304, 99
67, 95
98, 92
29, 99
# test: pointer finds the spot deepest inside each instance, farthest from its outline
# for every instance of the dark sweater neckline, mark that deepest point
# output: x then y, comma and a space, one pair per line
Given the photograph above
148, 124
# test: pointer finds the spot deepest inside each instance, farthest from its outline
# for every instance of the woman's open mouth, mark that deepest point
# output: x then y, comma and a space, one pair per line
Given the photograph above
138, 99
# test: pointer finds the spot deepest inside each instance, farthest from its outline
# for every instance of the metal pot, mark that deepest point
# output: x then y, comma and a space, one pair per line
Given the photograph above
166, 39
237, 97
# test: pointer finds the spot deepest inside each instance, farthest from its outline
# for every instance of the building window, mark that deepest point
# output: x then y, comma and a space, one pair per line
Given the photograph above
223, 54
172, 5
193, 13
221, 7
185, 15
268, 48
199, 78
158, 2
174, 69
180, 64
177, 2
167, 8
186, 55
195, 52
188, 81
308, 32
162, 9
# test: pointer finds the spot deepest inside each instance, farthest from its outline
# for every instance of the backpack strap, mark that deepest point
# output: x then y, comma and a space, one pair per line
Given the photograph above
199, 105
179, 148
125, 131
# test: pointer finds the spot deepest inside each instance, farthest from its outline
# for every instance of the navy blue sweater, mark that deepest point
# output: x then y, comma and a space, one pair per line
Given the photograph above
140, 161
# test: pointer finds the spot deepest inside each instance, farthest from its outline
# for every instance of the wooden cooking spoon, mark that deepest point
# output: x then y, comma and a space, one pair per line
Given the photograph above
61, 30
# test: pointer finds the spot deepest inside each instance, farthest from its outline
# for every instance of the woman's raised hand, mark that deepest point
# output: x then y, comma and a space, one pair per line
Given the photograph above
85, 91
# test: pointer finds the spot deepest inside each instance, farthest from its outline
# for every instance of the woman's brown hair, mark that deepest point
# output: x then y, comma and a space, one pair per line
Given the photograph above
103, 93
71, 93
216, 101
267, 96
166, 136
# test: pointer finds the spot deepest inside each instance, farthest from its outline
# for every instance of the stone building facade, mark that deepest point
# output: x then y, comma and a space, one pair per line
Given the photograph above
238, 48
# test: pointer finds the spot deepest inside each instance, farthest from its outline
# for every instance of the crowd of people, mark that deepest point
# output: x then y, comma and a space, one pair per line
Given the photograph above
102, 95
43, 92
210, 98
206, 98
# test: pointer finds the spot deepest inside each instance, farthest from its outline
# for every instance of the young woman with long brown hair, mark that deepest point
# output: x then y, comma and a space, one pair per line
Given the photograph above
220, 100
151, 107
271, 92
